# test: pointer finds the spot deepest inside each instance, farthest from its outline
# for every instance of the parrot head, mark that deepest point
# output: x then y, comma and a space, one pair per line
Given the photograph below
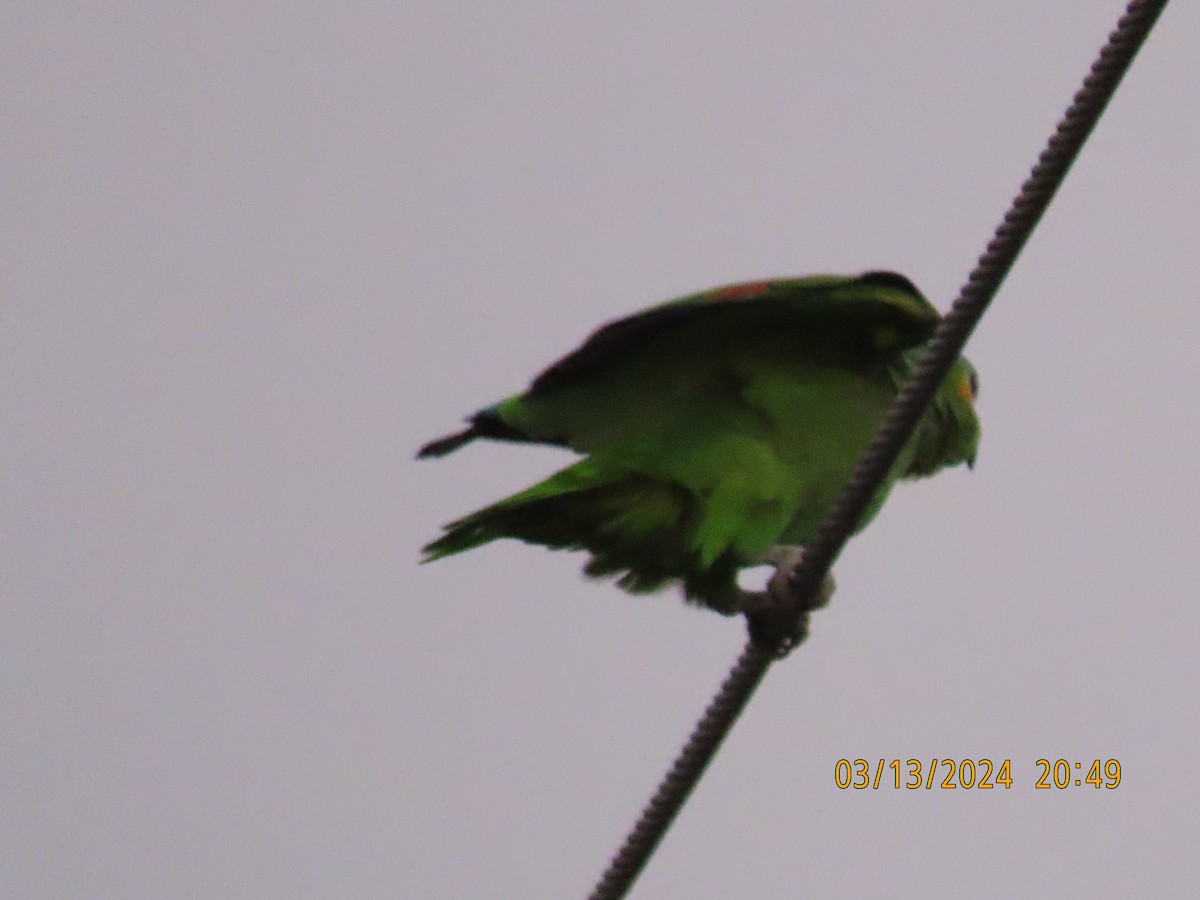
949, 433
962, 410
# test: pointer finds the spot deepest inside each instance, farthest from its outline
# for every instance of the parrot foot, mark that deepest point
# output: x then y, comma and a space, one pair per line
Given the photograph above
774, 616
755, 603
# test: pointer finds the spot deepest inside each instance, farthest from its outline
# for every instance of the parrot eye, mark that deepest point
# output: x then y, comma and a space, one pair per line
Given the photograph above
973, 383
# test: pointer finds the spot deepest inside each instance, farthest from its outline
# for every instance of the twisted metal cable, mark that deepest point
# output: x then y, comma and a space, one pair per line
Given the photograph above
951, 334
684, 774
773, 638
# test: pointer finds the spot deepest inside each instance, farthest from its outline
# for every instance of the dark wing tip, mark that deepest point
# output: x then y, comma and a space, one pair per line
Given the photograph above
448, 443
486, 423
895, 280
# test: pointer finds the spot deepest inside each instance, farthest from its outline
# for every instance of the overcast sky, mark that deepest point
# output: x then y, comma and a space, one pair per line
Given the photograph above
255, 254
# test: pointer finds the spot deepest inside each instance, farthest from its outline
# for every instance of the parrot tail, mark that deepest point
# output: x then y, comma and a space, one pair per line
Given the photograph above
635, 527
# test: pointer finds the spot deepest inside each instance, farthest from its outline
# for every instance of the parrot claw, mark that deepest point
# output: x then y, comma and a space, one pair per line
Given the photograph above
773, 615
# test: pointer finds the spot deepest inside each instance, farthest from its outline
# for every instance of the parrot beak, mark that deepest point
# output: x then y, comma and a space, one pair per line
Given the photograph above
971, 461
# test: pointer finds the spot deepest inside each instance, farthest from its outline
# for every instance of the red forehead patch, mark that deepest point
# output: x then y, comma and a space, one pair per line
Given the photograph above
741, 291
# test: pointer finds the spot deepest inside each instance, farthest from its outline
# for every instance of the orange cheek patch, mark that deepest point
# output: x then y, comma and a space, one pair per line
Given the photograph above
964, 390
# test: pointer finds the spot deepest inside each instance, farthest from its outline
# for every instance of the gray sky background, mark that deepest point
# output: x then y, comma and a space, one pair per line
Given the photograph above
255, 254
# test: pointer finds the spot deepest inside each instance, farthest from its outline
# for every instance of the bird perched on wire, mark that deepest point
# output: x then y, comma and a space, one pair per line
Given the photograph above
716, 430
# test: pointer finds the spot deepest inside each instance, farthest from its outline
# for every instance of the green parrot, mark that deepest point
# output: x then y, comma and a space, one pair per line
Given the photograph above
716, 431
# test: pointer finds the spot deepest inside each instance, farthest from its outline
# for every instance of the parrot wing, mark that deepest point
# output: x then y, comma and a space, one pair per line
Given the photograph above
874, 314
834, 320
